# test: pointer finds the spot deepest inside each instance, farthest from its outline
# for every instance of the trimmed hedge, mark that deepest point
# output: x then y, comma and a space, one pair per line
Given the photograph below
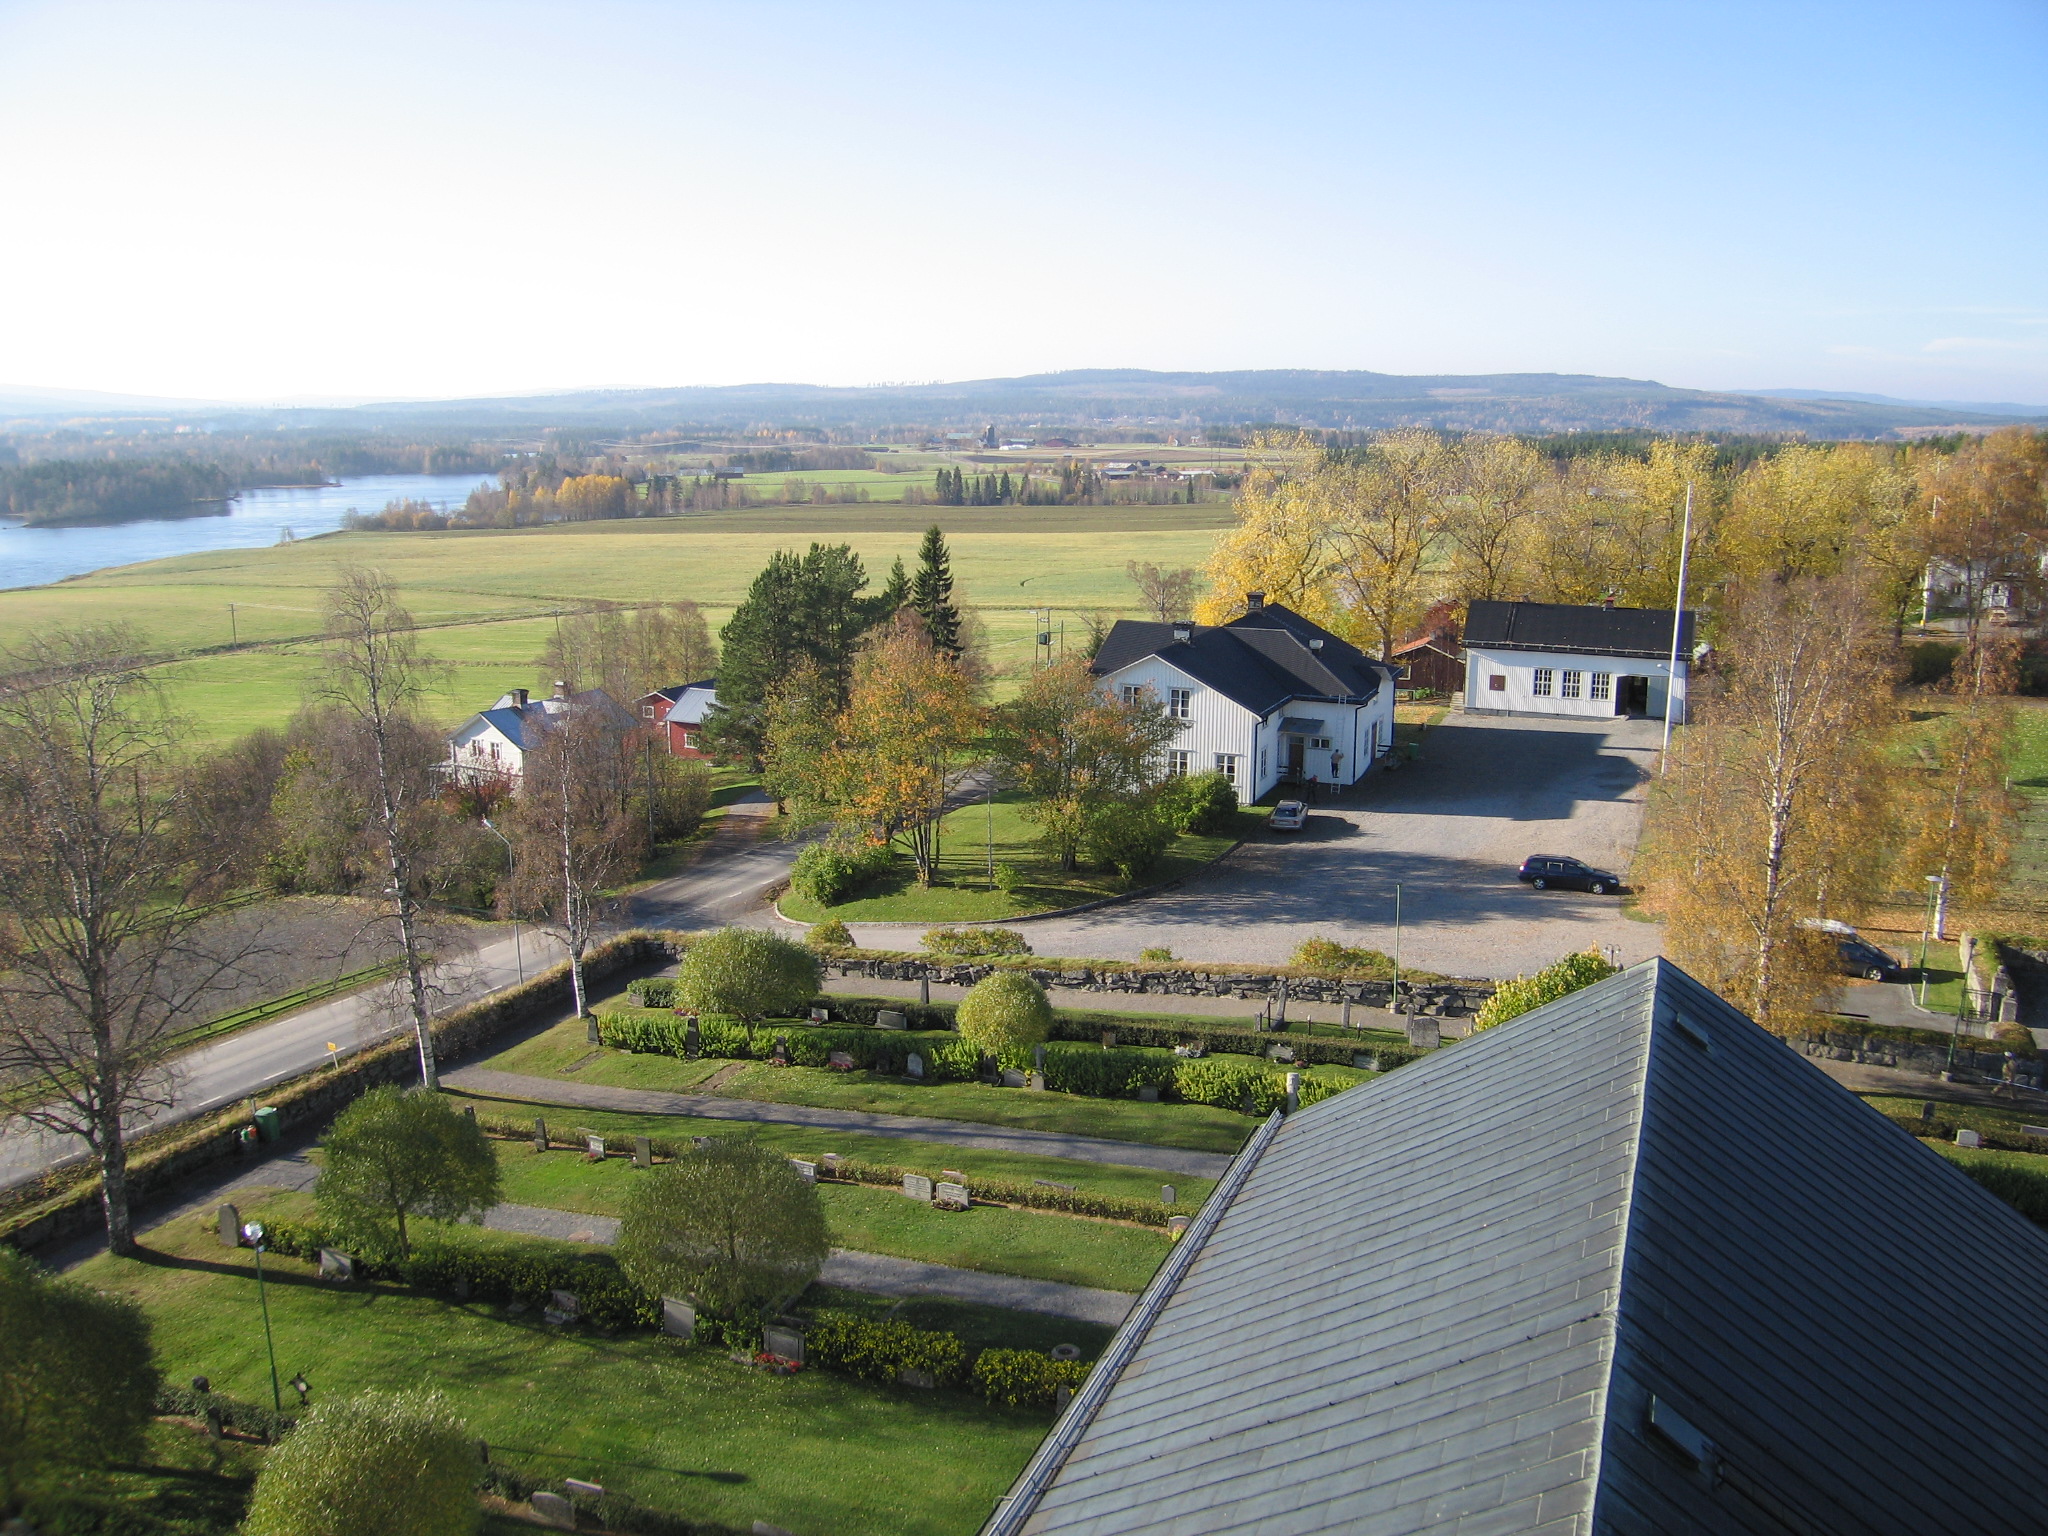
1024, 1378
2024, 1189
972, 943
247, 1418
882, 1351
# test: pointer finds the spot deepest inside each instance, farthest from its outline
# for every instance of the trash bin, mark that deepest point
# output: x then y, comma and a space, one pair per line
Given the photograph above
268, 1126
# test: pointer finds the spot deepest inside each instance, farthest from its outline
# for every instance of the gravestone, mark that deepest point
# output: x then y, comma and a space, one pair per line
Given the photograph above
643, 1152
954, 1174
1035, 1081
924, 989
1293, 1092
1175, 1225
336, 1265
821, 1015
702, 1141
807, 1171
1038, 1058
1012, 1078
1280, 1052
1365, 1061
593, 1147
577, 1488
693, 1039
1424, 1033
840, 1061
786, 1342
1148, 1093
1345, 1019
1968, 1138
2034, 1130
230, 1227
678, 1318
781, 1053
913, 1065
553, 1510
951, 1197
890, 1018
831, 1163
540, 1134
910, 1376
1927, 1109
918, 1187
590, 1030
1061, 1396
1168, 1194
1065, 1351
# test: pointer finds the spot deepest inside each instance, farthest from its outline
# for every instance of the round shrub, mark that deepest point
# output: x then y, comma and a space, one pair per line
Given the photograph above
1155, 952
381, 1464
829, 872
729, 1224
746, 973
1005, 1011
1201, 803
1561, 978
1327, 955
396, 1155
830, 934
1128, 838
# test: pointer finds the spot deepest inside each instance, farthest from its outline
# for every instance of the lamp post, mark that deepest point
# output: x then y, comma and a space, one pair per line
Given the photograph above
1926, 922
517, 959
1394, 998
1677, 631
254, 1233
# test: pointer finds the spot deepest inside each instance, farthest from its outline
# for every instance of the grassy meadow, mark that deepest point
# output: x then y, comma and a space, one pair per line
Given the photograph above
490, 596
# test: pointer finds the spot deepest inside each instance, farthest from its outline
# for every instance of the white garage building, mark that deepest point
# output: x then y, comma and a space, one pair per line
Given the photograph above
1594, 662
1268, 698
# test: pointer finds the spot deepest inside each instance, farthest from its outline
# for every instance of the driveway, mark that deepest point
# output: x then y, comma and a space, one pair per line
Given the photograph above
1451, 829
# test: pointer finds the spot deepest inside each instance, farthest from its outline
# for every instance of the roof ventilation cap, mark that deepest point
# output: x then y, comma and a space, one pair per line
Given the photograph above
1183, 632
1315, 643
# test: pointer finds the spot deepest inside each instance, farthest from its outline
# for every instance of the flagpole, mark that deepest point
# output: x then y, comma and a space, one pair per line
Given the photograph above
1677, 632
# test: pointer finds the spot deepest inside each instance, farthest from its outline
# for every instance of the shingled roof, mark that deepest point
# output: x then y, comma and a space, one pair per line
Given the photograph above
1575, 629
1626, 1263
1260, 659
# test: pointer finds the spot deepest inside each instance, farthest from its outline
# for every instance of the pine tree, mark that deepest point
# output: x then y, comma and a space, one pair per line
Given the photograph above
931, 592
799, 609
895, 594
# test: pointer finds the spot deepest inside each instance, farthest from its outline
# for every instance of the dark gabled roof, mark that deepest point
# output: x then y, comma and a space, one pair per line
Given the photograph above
1579, 629
1445, 1299
523, 728
1260, 659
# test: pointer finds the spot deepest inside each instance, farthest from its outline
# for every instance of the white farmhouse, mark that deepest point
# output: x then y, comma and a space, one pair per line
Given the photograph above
1267, 698
493, 743
1591, 661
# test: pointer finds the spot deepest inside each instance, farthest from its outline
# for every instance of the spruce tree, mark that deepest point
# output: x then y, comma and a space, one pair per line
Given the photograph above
931, 592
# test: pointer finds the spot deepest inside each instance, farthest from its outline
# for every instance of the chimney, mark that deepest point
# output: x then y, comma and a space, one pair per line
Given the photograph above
519, 698
561, 689
1254, 601
1183, 631
1606, 602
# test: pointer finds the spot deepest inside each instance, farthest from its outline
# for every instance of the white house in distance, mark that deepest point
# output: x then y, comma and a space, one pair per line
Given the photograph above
1266, 698
1591, 661
493, 743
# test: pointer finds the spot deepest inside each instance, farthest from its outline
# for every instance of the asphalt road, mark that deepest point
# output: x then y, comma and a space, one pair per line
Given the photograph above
728, 879
1451, 829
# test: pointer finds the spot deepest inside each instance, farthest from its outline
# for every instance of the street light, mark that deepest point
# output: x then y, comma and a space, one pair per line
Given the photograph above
1394, 1000
501, 837
1927, 923
254, 1233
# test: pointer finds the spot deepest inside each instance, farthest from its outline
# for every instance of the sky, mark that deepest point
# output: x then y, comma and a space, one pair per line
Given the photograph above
304, 200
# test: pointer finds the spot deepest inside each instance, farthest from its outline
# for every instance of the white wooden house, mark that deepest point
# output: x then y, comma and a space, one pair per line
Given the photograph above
493, 743
1268, 698
1591, 661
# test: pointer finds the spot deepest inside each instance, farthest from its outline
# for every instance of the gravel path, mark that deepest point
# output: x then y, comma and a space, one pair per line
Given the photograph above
956, 1133
876, 1273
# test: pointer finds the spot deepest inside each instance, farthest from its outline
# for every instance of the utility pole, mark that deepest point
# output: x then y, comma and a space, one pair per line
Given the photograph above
1677, 633
234, 632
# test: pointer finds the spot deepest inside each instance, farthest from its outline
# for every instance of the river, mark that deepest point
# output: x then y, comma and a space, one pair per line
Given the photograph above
29, 557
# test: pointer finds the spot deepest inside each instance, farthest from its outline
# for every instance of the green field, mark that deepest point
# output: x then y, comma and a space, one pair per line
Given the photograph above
973, 835
676, 1427
493, 593
1038, 1245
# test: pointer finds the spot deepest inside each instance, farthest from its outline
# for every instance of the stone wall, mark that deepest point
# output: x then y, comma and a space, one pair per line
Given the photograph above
1978, 1060
1450, 999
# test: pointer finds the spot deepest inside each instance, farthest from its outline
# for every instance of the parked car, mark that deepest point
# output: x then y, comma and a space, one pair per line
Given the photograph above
1288, 816
1548, 869
1854, 954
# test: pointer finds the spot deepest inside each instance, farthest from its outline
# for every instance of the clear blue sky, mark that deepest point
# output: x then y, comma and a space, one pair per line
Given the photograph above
354, 199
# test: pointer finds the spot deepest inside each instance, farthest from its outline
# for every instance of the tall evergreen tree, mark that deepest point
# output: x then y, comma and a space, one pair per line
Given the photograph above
931, 592
895, 594
800, 609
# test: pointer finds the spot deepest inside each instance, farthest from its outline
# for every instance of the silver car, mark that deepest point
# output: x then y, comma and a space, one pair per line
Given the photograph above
1288, 816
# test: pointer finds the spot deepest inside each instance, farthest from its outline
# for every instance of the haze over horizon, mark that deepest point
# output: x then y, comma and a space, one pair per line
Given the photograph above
368, 201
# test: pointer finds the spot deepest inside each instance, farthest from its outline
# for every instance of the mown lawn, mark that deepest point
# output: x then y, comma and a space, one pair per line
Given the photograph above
185, 1485
979, 1327
678, 1427
1038, 1245
801, 1141
961, 893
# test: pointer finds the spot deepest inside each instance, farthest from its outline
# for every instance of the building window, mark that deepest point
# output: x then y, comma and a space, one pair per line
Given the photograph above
1497, 682
1179, 764
689, 741
647, 711
1573, 682
1319, 744
1130, 692
1177, 703
1603, 685
1226, 764
1262, 765
1545, 678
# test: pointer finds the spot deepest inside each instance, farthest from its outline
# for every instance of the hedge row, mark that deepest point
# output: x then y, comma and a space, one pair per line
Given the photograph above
947, 1058
246, 1418
1944, 1129
881, 1352
2024, 1189
613, 1512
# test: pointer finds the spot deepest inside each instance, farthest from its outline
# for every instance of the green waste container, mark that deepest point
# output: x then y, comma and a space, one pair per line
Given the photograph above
268, 1126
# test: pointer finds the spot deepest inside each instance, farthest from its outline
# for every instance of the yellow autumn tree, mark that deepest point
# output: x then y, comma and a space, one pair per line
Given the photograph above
1281, 544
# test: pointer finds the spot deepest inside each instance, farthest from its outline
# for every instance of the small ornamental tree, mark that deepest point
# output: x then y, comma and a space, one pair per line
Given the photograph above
392, 1156
76, 1379
729, 1224
1560, 978
748, 974
382, 1464
1005, 1011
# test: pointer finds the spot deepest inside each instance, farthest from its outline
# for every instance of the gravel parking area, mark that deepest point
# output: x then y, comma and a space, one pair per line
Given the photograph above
1451, 828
